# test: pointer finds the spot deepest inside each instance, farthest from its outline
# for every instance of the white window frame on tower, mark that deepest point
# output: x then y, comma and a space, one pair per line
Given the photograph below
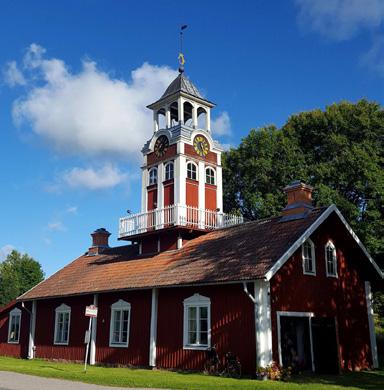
61, 313
196, 303
119, 307
210, 178
330, 256
152, 176
306, 259
169, 170
14, 326
191, 163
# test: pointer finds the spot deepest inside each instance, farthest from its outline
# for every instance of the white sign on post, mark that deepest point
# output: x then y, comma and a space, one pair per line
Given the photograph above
91, 312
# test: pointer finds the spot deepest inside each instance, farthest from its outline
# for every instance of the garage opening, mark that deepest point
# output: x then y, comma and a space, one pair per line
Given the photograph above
295, 342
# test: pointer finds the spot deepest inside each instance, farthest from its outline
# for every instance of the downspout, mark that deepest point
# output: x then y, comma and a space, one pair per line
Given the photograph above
153, 328
252, 298
32, 326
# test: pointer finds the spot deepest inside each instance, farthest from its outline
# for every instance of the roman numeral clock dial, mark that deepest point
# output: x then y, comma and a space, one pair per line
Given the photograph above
201, 145
161, 146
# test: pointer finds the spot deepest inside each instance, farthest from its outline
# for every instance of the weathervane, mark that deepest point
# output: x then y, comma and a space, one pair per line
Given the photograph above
181, 55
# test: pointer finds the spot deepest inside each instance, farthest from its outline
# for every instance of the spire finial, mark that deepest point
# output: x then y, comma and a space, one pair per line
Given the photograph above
181, 55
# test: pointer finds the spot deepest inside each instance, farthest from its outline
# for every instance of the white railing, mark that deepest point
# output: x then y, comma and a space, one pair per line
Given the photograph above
175, 215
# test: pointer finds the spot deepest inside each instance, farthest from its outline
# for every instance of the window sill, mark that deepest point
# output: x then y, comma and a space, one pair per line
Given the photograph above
55, 343
309, 273
332, 276
13, 342
118, 345
196, 347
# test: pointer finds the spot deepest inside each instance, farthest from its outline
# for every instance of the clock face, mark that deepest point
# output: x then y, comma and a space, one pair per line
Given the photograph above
161, 146
201, 145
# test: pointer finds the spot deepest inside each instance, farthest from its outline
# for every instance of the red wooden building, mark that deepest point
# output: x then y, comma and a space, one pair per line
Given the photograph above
294, 289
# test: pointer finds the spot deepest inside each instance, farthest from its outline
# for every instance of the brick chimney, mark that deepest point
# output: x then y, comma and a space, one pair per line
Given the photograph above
299, 201
99, 241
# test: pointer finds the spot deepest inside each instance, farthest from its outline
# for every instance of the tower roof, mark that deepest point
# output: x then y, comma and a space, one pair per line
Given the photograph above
181, 84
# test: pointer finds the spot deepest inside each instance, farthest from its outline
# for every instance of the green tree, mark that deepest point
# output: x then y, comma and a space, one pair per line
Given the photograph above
339, 151
18, 273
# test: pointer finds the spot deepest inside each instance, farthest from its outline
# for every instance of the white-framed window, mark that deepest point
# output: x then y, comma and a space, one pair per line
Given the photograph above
14, 326
152, 176
197, 322
119, 327
210, 176
309, 260
191, 171
62, 324
330, 259
169, 171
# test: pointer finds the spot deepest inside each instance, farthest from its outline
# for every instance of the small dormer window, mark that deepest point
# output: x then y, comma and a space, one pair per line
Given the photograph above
210, 176
153, 176
308, 255
331, 259
191, 171
169, 171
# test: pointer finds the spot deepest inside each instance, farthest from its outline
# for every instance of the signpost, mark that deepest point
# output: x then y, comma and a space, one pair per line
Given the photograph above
91, 312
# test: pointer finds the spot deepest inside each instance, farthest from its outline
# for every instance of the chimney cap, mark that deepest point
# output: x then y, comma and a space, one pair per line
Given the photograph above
296, 184
101, 230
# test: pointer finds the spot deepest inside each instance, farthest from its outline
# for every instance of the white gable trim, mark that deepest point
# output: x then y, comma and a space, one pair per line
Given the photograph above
269, 275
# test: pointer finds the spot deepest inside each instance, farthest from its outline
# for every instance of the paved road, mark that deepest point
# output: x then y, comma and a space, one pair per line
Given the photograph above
14, 381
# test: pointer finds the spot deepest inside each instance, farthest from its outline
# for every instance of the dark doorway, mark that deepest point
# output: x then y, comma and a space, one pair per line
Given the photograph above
295, 343
325, 345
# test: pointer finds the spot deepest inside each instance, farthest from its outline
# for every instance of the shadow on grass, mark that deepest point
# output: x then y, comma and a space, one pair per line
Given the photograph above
52, 368
369, 380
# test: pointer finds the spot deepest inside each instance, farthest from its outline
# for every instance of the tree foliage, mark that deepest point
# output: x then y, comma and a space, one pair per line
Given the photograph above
339, 151
18, 273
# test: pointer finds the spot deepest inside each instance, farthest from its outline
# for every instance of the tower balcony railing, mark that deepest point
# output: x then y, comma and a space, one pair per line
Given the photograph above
176, 215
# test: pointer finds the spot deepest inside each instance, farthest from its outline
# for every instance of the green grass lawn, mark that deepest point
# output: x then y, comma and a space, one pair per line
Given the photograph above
125, 377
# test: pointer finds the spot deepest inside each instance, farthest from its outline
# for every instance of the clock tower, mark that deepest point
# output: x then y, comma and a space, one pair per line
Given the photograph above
181, 190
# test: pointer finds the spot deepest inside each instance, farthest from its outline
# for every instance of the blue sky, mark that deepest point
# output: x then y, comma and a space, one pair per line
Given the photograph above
75, 77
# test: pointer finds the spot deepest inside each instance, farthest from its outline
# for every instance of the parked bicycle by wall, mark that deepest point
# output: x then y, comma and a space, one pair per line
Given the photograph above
212, 366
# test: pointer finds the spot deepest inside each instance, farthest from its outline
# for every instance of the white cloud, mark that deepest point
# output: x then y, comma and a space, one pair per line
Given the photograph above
12, 75
221, 125
71, 210
340, 19
56, 226
89, 111
107, 176
5, 251
374, 57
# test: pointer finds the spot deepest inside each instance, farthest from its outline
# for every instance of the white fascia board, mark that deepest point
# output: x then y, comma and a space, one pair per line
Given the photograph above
269, 275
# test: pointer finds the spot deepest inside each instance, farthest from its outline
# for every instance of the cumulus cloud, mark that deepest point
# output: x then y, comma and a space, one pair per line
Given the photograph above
13, 75
89, 111
340, 19
71, 210
107, 176
5, 251
221, 125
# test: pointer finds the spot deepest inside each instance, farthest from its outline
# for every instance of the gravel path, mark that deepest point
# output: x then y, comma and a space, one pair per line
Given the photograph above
15, 381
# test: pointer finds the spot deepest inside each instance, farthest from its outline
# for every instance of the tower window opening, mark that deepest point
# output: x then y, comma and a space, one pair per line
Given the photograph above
169, 171
188, 116
162, 122
201, 118
174, 114
191, 171
210, 176
153, 176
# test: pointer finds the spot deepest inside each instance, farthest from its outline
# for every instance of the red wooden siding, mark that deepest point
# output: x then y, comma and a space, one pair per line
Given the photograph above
210, 197
45, 328
343, 298
232, 324
152, 198
20, 349
168, 241
137, 352
192, 193
168, 193
152, 158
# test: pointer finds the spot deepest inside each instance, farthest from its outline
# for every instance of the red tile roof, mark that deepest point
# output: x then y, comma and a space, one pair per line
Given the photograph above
242, 252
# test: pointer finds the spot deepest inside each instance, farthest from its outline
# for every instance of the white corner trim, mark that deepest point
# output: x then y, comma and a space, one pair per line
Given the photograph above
371, 324
307, 234
92, 350
294, 314
32, 331
153, 328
